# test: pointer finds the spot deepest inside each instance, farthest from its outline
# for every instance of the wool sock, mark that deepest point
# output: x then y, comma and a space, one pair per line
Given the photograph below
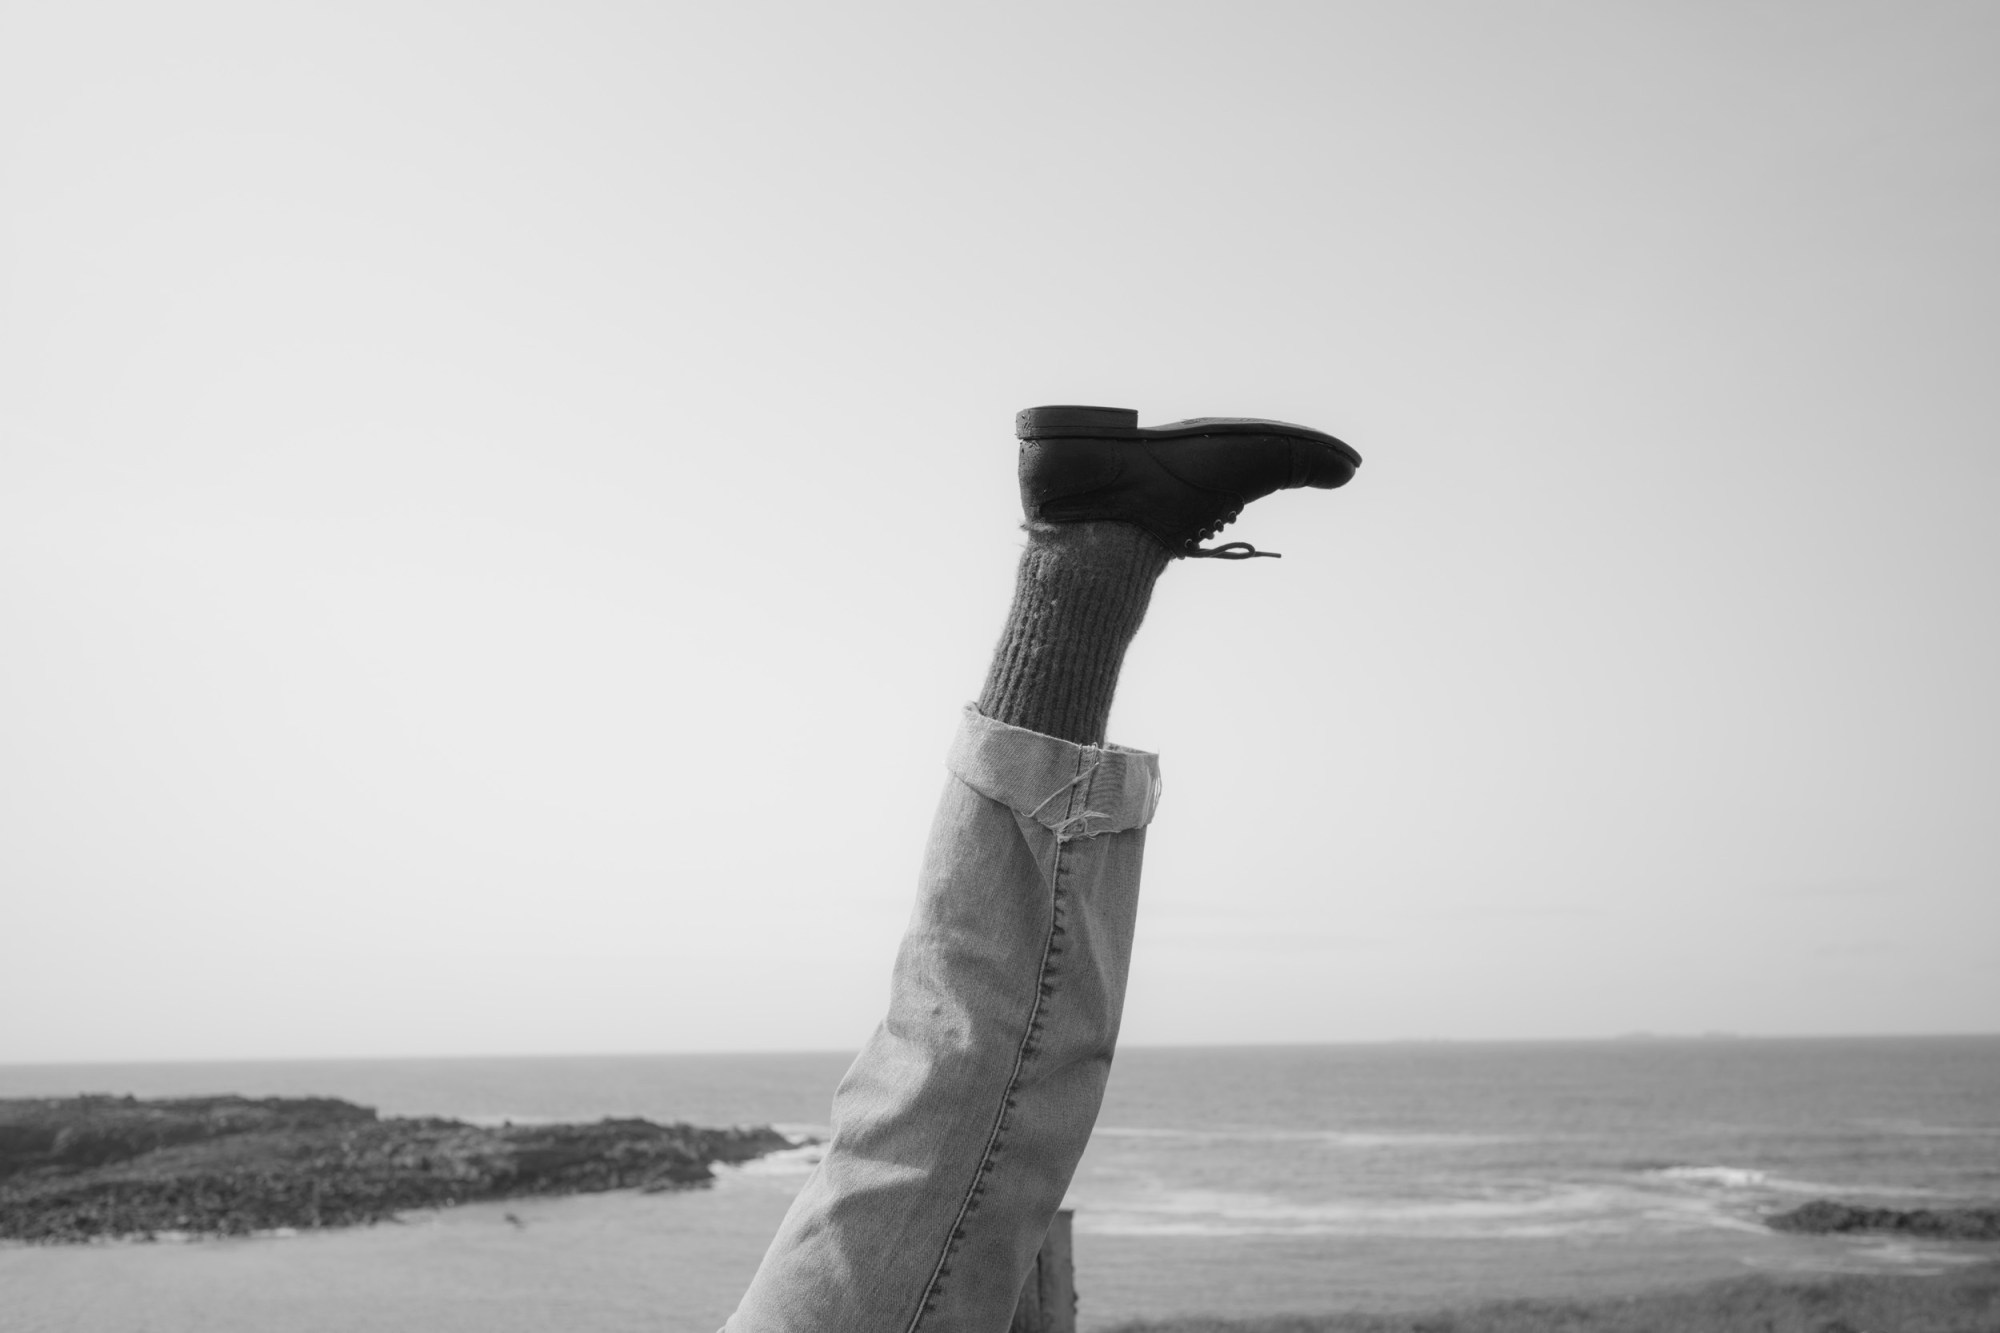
1079, 595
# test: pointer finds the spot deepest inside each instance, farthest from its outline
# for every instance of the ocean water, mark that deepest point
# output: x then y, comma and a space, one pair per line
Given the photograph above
1240, 1181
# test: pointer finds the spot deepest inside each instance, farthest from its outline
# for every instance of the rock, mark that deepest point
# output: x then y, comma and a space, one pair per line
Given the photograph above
1824, 1217
81, 1168
79, 1132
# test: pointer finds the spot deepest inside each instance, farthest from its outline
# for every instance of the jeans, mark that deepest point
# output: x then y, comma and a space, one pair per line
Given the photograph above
957, 1129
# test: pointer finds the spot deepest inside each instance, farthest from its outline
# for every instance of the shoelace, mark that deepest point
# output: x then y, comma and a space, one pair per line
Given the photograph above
1227, 551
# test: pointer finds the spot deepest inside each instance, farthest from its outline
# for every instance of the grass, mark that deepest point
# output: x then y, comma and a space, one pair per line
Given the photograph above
1964, 1301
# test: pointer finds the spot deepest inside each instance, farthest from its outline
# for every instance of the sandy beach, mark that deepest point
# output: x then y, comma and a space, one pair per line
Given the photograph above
572, 1264
623, 1262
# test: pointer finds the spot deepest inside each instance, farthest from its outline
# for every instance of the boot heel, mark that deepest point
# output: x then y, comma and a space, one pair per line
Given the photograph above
1053, 423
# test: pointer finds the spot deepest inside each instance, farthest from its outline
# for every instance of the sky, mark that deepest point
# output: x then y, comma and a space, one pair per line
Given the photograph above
501, 505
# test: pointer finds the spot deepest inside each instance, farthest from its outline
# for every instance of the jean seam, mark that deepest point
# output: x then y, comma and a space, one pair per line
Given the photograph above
1025, 1051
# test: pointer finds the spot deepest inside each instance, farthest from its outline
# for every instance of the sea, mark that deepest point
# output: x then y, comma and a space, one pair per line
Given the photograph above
1234, 1181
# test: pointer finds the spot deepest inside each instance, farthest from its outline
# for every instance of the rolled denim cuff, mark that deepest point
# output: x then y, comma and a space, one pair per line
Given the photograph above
1075, 791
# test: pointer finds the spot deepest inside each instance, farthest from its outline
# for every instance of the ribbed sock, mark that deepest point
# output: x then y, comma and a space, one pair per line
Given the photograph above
1079, 595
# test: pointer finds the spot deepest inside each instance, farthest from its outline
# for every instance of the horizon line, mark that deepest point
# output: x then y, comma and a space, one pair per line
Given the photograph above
1637, 1037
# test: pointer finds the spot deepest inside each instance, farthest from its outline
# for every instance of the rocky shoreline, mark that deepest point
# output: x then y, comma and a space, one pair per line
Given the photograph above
90, 1168
1824, 1217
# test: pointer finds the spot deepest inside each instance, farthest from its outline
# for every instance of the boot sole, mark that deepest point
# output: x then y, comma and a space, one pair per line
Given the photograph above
1122, 423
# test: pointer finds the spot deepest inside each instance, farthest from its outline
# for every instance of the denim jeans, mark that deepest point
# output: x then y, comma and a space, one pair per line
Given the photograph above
956, 1131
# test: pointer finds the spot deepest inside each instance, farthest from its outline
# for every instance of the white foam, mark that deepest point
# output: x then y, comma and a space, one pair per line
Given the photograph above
797, 1161
1729, 1177
1745, 1178
1569, 1211
799, 1132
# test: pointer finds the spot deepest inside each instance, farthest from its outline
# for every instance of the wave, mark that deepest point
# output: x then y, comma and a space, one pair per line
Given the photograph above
1567, 1211
799, 1132
1683, 1199
798, 1161
1729, 1177
1750, 1178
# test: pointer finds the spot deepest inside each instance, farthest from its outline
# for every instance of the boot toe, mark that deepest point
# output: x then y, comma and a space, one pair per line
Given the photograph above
1322, 465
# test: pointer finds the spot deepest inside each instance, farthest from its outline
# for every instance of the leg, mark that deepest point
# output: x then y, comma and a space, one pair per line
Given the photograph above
957, 1128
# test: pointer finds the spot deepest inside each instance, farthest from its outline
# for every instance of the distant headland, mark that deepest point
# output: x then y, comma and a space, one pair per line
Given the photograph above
88, 1168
